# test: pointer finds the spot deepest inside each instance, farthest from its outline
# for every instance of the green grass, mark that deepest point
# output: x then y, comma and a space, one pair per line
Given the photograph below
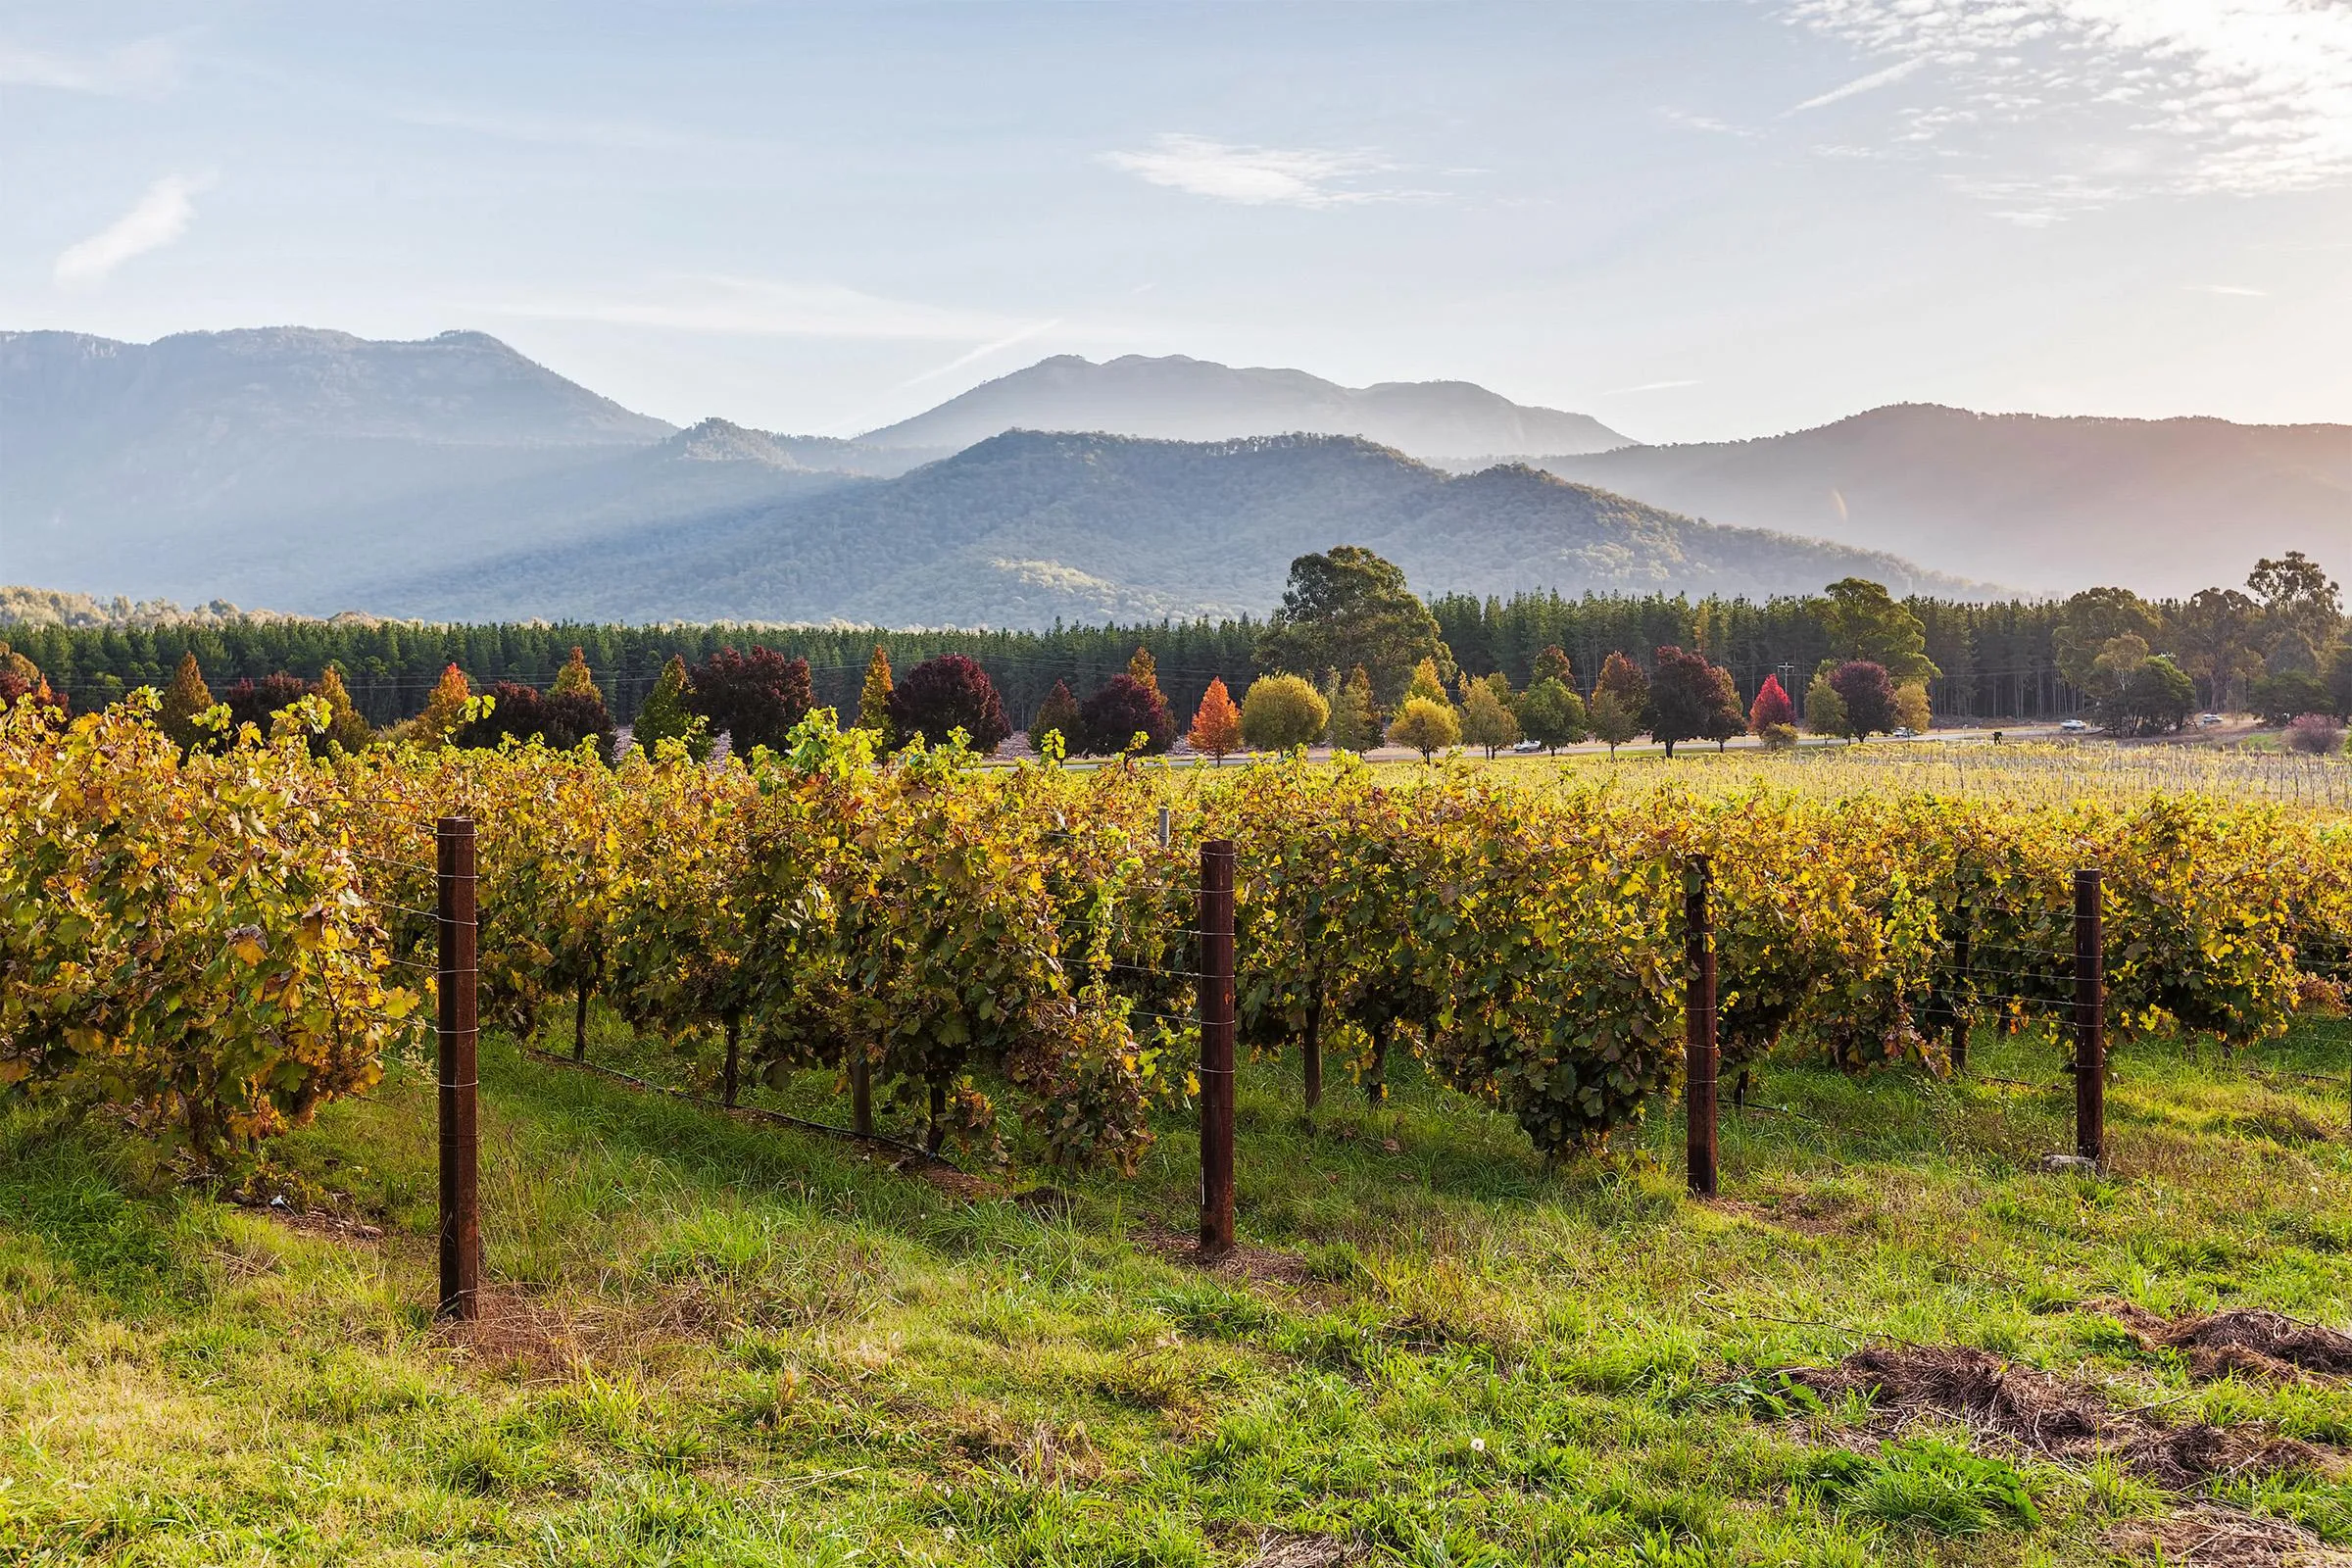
719, 1344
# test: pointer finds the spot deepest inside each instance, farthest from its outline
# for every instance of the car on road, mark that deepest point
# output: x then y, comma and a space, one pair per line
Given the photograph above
1902, 732
2073, 727
1527, 746
2208, 720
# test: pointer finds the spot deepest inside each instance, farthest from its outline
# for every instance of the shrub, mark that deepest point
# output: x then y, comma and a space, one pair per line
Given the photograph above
1777, 736
949, 693
522, 714
2318, 734
1281, 711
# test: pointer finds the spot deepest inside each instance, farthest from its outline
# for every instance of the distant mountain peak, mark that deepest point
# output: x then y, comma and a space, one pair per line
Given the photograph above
1177, 398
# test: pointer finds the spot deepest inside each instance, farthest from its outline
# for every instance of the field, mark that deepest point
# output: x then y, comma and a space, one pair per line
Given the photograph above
712, 1340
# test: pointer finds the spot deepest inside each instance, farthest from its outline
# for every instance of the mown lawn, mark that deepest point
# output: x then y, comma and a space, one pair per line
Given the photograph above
717, 1342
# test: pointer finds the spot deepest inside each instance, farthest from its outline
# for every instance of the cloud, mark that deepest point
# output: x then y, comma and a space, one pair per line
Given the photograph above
1706, 123
156, 221
2236, 96
767, 308
1861, 84
141, 68
2235, 290
1256, 176
1647, 386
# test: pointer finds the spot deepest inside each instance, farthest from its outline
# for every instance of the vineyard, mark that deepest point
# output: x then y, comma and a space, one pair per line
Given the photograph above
229, 956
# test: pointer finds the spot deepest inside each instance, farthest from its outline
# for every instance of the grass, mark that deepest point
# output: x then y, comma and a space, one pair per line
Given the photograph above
720, 1343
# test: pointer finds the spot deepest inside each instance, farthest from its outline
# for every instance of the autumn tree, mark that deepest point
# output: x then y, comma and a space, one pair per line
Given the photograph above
1687, 700
444, 710
258, 701
344, 725
754, 698
1620, 707
187, 700
1216, 730
1487, 719
574, 679
1868, 697
873, 701
665, 715
1280, 711
1426, 726
1427, 684
1122, 710
949, 693
1771, 708
1144, 671
1551, 664
1057, 717
1551, 715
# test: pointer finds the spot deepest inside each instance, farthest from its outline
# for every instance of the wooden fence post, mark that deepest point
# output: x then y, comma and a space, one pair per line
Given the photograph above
1699, 1059
2090, 1020
1959, 994
455, 1041
1216, 1048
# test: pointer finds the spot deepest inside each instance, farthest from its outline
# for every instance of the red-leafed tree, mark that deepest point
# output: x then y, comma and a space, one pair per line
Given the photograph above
1125, 708
949, 693
1868, 696
256, 701
757, 698
1772, 707
1690, 700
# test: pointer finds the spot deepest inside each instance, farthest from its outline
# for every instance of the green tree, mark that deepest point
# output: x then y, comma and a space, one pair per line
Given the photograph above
2157, 695
2092, 619
1485, 720
2302, 612
1344, 607
2216, 636
1056, 716
1864, 623
1354, 724
187, 702
666, 717
1825, 710
1427, 727
1280, 711
874, 701
1427, 684
1551, 715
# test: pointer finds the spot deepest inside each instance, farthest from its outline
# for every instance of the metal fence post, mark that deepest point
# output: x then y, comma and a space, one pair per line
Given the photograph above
2090, 1020
454, 1040
1700, 1061
1216, 1047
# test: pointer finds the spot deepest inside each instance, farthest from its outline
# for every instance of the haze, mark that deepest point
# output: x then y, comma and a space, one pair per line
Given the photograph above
1691, 221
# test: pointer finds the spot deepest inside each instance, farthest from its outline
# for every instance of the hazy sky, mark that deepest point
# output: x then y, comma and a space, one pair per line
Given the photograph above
1693, 220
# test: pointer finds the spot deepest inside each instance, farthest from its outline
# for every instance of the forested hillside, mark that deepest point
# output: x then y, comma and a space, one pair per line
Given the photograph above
1029, 528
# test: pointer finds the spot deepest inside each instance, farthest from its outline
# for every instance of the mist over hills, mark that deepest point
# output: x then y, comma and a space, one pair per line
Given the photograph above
315, 472
1179, 398
2162, 506
1028, 527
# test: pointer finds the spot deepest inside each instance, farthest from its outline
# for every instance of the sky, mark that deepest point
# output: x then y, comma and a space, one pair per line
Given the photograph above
1692, 219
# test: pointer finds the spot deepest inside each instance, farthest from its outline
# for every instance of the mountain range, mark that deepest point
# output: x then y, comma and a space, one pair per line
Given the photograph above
313, 471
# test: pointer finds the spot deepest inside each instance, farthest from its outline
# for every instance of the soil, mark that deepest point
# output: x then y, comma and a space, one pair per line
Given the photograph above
1277, 1549
2038, 1414
2208, 1536
1258, 1265
2218, 1343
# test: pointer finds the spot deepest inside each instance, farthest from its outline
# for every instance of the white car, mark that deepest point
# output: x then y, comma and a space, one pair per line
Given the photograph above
2073, 727
1903, 732
2208, 720
1527, 746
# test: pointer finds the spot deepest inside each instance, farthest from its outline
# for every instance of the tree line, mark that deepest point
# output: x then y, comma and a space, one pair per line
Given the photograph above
2275, 646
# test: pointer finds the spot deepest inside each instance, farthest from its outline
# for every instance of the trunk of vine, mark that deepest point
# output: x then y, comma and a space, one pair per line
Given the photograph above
580, 1024
861, 1094
937, 1133
734, 1057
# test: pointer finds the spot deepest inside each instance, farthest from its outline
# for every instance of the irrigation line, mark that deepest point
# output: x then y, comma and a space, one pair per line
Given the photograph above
753, 1113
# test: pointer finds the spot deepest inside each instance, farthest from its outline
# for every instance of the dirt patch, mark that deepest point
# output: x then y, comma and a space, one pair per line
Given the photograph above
2211, 1536
534, 1338
1807, 1215
2244, 1339
326, 1223
2038, 1414
1258, 1265
1280, 1549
